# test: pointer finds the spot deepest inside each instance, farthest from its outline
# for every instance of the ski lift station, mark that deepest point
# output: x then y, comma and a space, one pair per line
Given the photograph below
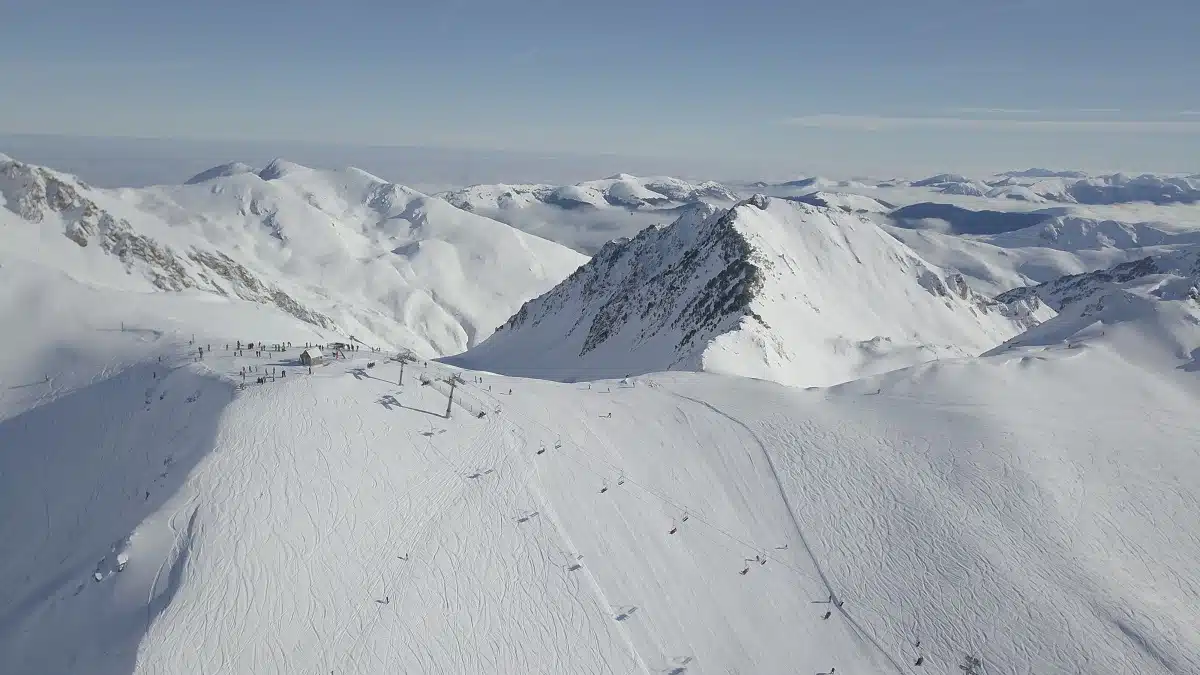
312, 357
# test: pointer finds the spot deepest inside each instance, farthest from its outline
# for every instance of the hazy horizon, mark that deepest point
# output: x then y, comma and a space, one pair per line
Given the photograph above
758, 90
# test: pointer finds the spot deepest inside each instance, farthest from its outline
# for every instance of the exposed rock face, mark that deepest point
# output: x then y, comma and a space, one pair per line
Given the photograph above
42, 196
769, 288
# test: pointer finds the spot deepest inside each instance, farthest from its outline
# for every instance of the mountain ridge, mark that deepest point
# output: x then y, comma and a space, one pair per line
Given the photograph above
723, 294
346, 251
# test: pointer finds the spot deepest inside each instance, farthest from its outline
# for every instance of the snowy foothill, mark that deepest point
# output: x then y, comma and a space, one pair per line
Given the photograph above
768, 436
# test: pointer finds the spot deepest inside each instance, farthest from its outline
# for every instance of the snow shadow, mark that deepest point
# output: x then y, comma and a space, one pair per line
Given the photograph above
624, 613
78, 476
389, 402
966, 221
1192, 366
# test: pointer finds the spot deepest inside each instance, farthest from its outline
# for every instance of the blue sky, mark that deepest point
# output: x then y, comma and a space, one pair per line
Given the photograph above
753, 88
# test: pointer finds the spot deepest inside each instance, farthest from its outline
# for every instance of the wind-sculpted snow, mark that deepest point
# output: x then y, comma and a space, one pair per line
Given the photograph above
770, 288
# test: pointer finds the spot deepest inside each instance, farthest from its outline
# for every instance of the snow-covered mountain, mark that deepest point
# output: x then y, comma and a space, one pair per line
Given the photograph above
1147, 308
343, 250
846, 201
771, 288
586, 215
1120, 188
1044, 173
1030, 512
1170, 276
1070, 187
1055, 247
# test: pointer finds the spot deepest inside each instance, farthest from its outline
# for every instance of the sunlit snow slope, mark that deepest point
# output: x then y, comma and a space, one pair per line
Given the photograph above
772, 289
1035, 510
342, 250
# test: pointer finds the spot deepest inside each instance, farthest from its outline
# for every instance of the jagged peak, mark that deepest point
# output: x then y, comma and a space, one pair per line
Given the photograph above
767, 288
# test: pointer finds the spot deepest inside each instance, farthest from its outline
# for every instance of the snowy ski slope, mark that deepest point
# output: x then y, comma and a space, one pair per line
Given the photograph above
1036, 509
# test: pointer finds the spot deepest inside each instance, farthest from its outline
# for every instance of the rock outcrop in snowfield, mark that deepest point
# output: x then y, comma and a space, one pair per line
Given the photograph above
343, 250
770, 289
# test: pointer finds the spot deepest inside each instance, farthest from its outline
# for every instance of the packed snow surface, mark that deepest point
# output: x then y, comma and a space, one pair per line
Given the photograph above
1035, 510
175, 501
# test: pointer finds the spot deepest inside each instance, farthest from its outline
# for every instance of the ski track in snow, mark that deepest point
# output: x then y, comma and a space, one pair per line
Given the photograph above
333, 529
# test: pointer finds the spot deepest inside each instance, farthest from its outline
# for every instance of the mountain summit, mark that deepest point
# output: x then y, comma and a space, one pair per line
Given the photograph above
770, 288
343, 251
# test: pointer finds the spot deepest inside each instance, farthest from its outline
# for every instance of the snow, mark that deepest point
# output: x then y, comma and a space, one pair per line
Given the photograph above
230, 169
338, 522
771, 289
1034, 507
381, 261
847, 201
587, 215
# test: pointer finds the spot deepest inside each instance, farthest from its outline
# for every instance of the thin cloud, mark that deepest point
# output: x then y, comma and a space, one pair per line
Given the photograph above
1048, 112
994, 111
882, 123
